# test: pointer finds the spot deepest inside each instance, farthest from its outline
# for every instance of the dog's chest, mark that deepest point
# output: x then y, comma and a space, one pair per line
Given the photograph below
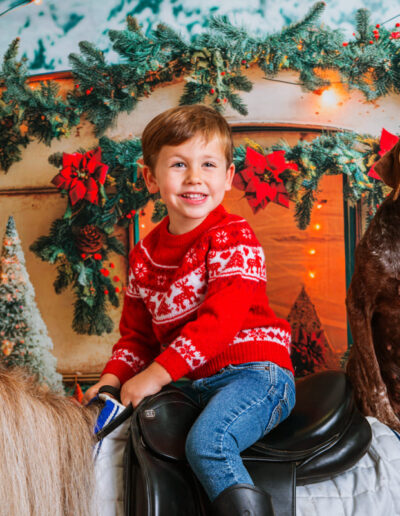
381, 243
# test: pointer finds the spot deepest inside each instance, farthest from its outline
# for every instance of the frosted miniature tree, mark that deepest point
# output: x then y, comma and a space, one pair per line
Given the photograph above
24, 340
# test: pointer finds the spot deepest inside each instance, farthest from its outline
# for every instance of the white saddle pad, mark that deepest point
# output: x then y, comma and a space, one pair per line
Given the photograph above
370, 488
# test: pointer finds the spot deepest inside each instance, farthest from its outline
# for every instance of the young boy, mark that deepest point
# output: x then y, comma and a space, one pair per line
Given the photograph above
196, 306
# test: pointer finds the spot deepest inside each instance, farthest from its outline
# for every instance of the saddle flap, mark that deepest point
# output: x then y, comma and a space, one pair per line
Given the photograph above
165, 420
323, 411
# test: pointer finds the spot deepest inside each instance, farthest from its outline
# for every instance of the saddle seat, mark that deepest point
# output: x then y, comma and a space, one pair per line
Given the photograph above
323, 436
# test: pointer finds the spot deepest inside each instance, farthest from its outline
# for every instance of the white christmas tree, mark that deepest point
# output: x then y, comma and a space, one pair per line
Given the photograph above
24, 340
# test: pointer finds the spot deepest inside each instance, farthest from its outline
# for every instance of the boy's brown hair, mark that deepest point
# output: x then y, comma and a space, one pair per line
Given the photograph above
179, 124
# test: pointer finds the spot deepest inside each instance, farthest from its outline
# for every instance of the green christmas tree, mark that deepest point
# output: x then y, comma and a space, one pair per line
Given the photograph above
23, 335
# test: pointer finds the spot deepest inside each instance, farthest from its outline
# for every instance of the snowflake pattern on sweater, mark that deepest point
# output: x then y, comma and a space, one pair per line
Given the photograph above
204, 293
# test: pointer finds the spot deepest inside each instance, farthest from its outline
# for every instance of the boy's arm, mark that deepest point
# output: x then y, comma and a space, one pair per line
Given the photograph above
135, 349
138, 345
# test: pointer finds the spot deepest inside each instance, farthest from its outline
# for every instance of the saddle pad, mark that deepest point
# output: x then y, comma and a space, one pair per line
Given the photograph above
108, 460
370, 488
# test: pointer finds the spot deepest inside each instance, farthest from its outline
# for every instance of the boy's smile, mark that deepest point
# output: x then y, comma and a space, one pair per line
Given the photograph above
192, 179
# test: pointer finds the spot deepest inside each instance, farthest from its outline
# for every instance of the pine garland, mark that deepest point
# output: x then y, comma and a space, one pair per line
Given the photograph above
213, 64
27, 113
329, 154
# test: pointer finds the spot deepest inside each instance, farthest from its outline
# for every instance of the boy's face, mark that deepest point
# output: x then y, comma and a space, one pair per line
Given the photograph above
192, 179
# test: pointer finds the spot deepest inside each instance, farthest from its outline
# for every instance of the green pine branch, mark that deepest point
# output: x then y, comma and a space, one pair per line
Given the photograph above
311, 18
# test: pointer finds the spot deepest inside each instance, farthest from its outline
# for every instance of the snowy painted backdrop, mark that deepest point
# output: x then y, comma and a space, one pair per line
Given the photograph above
51, 29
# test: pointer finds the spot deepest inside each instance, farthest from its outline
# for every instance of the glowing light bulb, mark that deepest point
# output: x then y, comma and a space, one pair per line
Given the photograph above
311, 274
319, 206
311, 251
329, 98
317, 226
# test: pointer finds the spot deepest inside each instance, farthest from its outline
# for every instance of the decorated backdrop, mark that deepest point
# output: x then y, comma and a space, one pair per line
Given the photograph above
311, 112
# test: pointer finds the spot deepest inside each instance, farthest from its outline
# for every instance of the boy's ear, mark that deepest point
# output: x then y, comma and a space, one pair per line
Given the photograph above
150, 180
230, 174
388, 168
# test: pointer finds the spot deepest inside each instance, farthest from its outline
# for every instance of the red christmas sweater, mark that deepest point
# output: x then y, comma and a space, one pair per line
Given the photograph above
197, 302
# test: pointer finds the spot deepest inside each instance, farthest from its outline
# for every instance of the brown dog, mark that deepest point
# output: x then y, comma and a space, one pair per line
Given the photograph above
373, 305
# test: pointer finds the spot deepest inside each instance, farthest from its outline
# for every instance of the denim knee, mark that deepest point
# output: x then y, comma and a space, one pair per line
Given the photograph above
197, 445
192, 448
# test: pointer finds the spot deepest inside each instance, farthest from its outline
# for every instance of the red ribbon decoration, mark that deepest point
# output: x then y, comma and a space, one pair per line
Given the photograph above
387, 142
81, 174
259, 193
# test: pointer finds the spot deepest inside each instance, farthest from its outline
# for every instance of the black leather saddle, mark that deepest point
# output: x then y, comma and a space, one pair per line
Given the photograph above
324, 435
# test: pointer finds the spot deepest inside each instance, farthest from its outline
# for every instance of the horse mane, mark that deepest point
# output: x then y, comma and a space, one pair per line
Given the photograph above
46, 444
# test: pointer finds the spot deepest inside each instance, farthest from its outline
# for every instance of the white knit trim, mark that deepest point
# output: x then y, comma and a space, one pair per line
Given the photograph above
223, 224
132, 290
247, 261
270, 334
153, 262
133, 361
188, 351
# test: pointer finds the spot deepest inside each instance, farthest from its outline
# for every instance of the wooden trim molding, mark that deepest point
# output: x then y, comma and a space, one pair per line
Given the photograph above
26, 190
72, 378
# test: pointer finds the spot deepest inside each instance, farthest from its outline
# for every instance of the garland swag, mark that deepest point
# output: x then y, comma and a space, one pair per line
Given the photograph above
212, 64
345, 153
80, 243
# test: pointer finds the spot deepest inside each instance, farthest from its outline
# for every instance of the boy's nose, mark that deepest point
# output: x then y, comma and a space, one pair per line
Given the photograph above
193, 175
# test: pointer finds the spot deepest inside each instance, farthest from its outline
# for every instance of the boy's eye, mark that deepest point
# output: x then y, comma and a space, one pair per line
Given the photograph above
178, 164
209, 164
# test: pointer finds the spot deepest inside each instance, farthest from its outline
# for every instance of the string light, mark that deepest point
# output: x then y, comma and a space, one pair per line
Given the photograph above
311, 274
317, 226
311, 251
329, 97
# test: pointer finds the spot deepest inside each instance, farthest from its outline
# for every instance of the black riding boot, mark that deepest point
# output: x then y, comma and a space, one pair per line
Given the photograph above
243, 500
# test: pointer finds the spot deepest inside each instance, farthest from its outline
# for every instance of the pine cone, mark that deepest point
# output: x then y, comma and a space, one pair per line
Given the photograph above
89, 239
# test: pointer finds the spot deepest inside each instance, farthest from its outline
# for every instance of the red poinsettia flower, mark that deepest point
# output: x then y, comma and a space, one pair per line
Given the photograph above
81, 174
387, 142
259, 193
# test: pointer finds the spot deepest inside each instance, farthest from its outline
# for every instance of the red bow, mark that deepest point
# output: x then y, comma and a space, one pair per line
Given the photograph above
259, 193
80, 175
387, 142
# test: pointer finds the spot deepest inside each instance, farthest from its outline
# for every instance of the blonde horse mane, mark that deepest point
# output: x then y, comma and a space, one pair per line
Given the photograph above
46, 442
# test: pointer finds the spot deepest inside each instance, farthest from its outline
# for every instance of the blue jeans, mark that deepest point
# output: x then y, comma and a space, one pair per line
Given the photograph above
241, 403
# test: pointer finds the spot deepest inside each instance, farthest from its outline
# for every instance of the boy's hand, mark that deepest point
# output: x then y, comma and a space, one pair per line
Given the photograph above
106, 379
146, 383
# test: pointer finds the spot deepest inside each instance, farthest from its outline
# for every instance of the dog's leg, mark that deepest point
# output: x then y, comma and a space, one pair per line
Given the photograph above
362, 366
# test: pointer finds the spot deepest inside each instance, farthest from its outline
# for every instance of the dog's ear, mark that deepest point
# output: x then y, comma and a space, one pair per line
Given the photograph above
388, 168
